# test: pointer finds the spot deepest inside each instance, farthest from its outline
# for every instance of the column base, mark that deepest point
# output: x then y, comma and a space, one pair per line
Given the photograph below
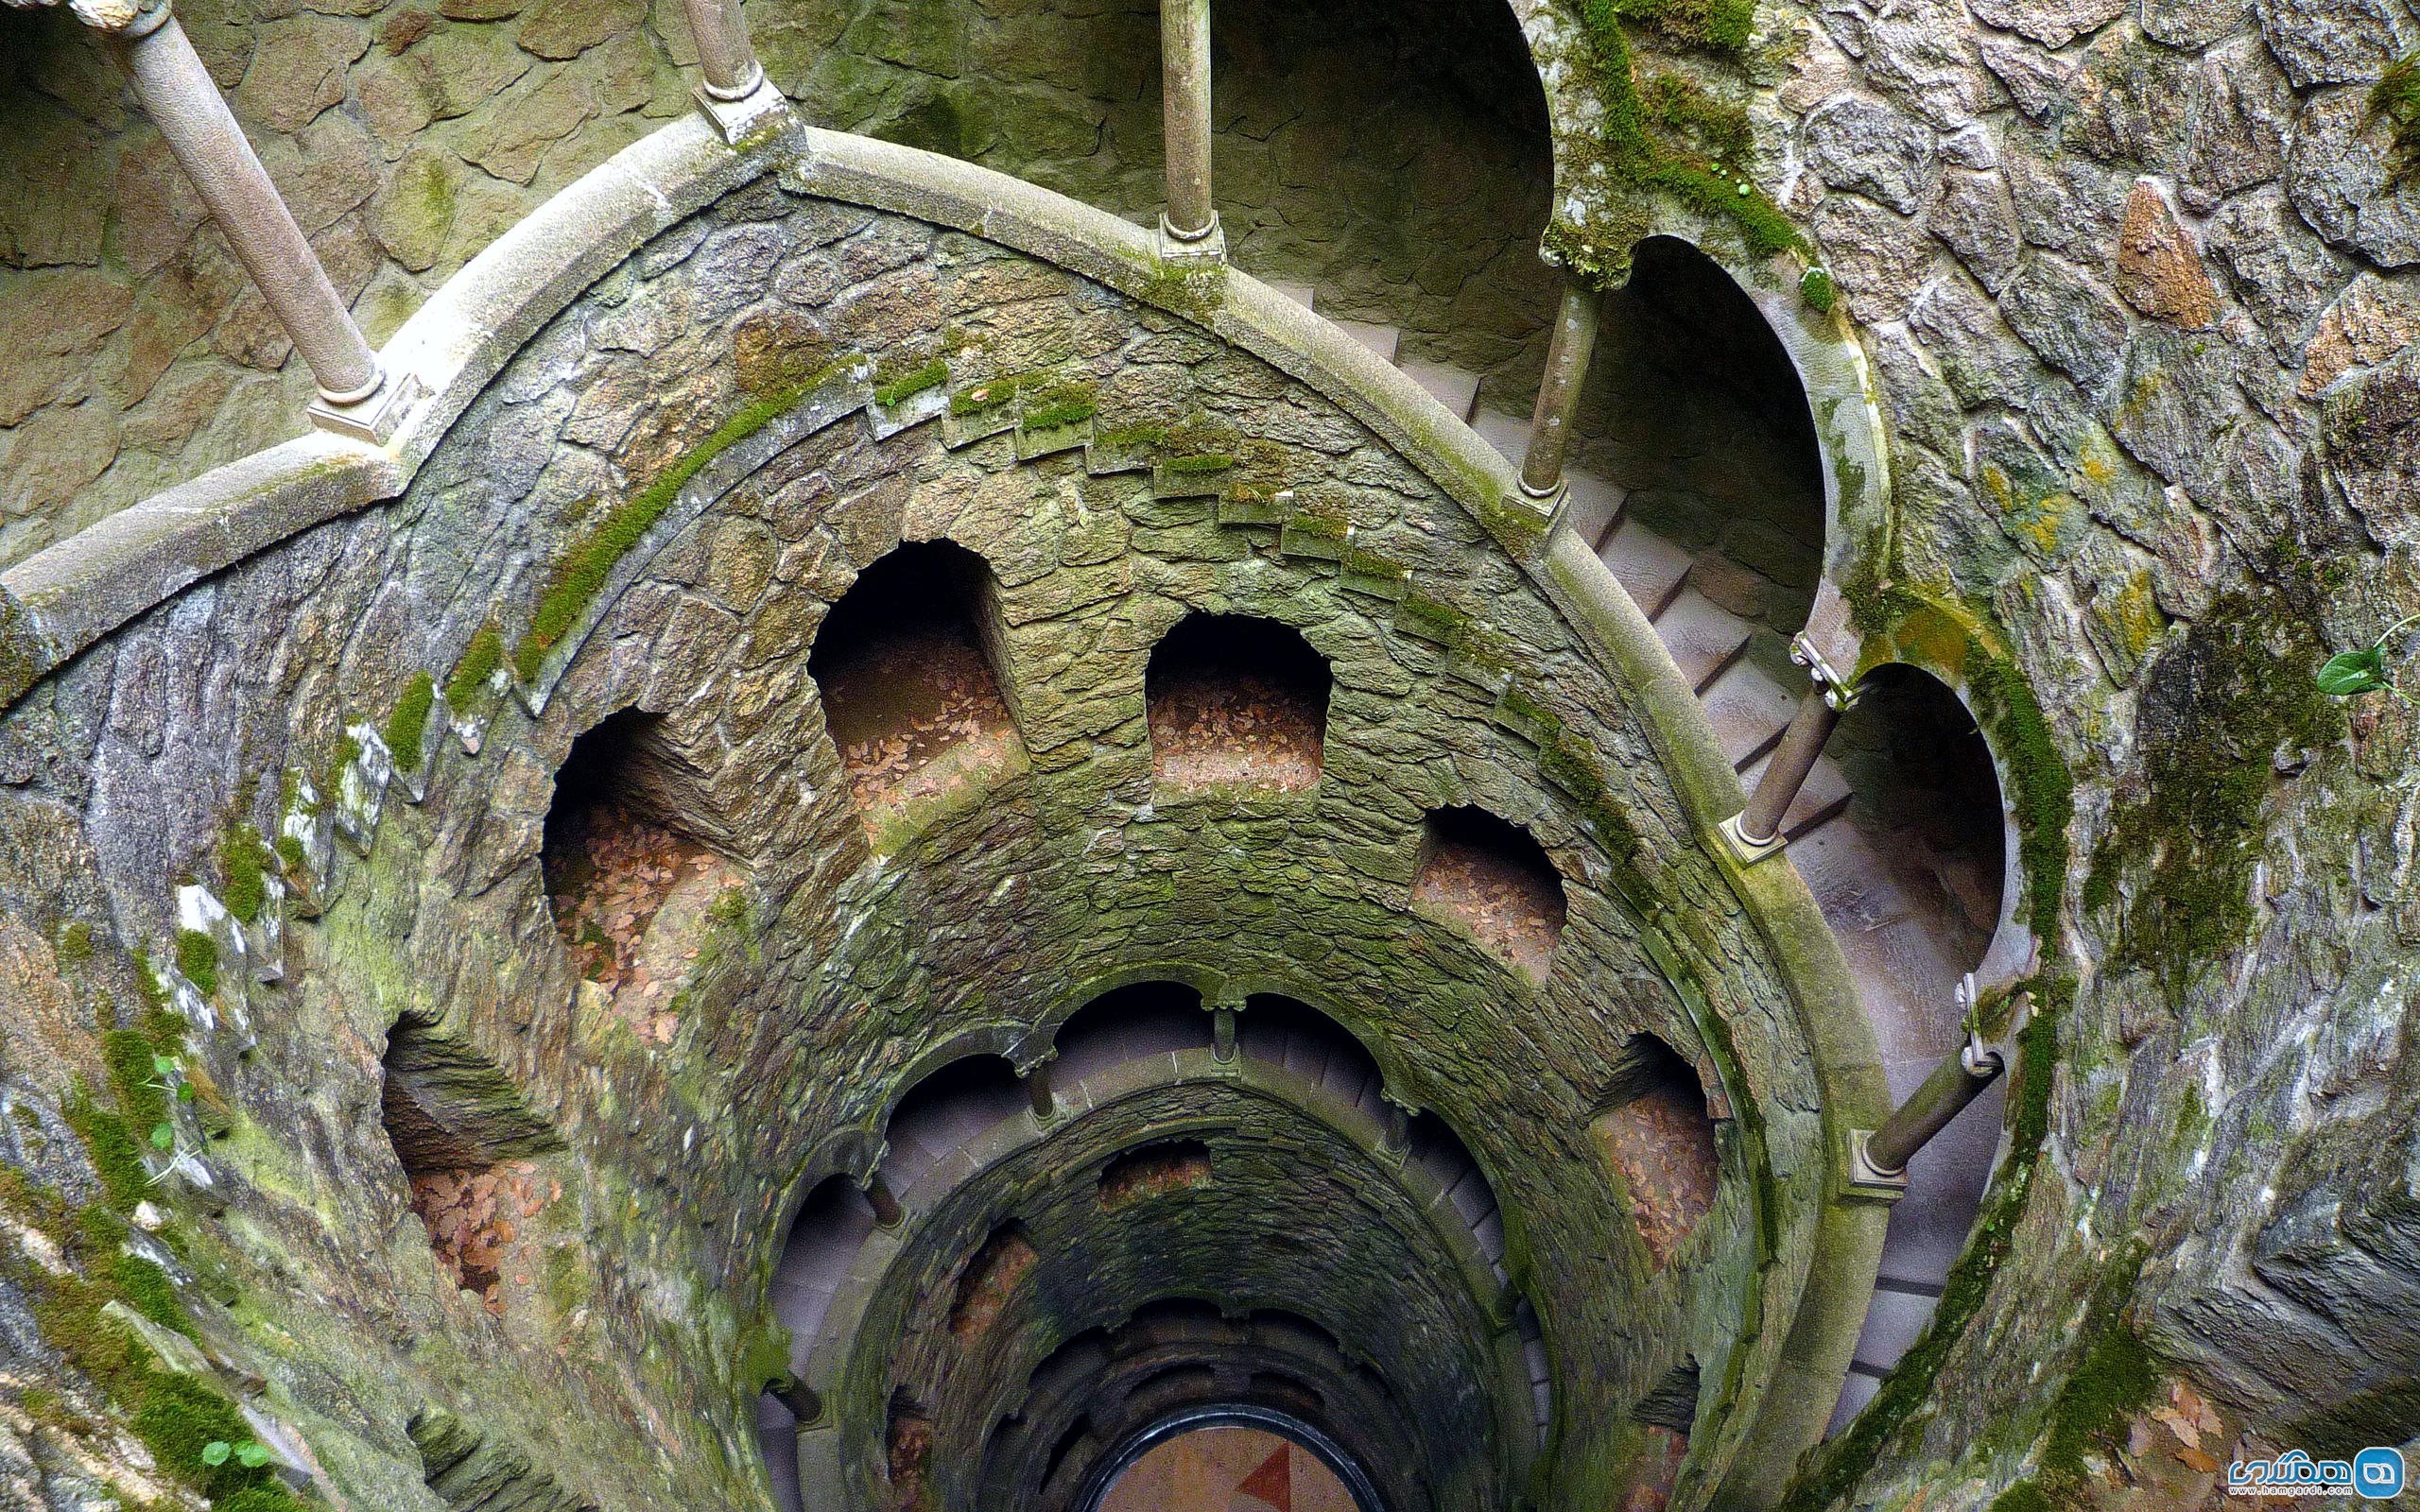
1205, 248
1868, 1182
744, 121
1545, 510
374, 419
1748, 851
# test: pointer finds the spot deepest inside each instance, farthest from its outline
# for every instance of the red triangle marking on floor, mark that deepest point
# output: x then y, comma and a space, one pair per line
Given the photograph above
1274, 1483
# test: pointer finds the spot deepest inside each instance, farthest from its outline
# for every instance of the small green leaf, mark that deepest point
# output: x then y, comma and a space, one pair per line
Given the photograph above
2348, 673
252, 1455
184, 1092
214, 1452
163, 1066
163, 1136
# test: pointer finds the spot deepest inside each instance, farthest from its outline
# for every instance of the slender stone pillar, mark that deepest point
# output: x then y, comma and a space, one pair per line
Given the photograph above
887, 1210
1566, 375
804, 1403
1755, 831
1222, 1032
1038, 1092
1785, 773
1190, 220
182, 100
724, 55
1955, 1083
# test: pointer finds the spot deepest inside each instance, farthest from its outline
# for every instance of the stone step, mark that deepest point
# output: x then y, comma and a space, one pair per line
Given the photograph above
1703, 637
1508, 434
1596, 506
1650, 567
1299, 293
1450, 387
1380, 339
1749, 710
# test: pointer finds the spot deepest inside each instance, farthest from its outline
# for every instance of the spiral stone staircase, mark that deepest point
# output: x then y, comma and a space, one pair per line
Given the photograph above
1904, 976
1899, 945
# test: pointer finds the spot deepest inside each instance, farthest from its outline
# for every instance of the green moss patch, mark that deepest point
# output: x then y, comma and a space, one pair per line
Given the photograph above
1817, 291
244, 861
890, 391
2043, 795
198, 958
406, 729
2114, 1379
2395, 99
2215, 713
1065, 405
1662, 134
581, 575
479, 661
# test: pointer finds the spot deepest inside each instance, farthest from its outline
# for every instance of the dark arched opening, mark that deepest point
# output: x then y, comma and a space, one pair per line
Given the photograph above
1698, 412
1494, 881
1655, 1132
909, 664
1237, 702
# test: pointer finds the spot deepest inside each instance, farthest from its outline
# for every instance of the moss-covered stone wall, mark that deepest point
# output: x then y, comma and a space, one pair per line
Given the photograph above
630, 1292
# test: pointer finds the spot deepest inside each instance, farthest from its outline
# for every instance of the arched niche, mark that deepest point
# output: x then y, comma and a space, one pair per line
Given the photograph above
1490, 880
1236, 703
634, 857
909, 665
1699, 413
1654, 1129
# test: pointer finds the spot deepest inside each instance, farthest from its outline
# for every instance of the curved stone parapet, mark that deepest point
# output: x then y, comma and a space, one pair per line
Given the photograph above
1391, 531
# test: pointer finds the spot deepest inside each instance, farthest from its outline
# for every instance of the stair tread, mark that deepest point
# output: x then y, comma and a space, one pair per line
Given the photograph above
1702, 636
1748, 710
1595, 503
1648, 566
1380, 339
1508, 434
1299, 293
1450, 387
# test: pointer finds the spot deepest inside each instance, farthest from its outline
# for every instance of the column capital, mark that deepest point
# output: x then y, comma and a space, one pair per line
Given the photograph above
128, 19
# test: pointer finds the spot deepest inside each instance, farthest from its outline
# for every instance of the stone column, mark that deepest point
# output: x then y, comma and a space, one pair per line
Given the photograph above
1566, 375
1755, 831
1189, 226
182, 100
1038, 1092
743, 104
724, 53
887, 1210
1222, 1032
804, 1403
1956, 1082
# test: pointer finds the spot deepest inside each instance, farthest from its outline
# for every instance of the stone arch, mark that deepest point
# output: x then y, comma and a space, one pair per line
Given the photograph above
1235, 703
1492, 880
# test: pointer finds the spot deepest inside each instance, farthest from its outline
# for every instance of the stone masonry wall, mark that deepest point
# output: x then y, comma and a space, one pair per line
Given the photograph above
1394, 159
628, 1310
2141, 297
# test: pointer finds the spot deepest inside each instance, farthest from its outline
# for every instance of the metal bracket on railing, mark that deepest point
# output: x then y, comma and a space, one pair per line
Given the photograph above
1838, 691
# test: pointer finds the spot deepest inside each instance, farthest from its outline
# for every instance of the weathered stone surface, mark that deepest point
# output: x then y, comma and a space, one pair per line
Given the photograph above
1879, 256
1977, 221
2373, 433
2159, 269
2331, 42
415, 210
46, 458
529, 118
2175, 405
298, 69
50, 326
1866, 145
2241, 117
2338, 179
2193, 22
2373, 321
2280, 271
2052, 23
2038, 81
565, 28
1980, 357
2069, 319
2067, 202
